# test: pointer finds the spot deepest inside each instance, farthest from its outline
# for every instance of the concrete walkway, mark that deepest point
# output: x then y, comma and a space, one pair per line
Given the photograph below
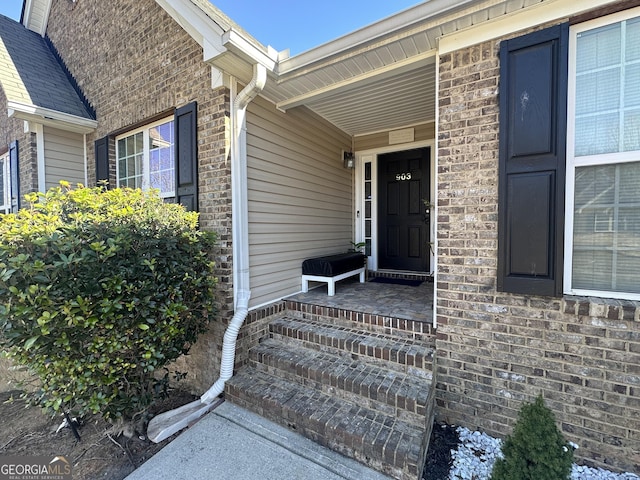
232, 443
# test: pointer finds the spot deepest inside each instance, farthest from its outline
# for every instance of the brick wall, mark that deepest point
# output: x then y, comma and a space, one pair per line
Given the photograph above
133, 62
497, 350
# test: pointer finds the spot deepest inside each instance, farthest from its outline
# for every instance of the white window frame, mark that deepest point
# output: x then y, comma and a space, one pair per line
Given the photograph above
146, 175
574, 162
5, 205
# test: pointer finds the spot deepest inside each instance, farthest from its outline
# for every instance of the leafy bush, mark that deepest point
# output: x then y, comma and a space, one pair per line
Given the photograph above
536, 450
99, 289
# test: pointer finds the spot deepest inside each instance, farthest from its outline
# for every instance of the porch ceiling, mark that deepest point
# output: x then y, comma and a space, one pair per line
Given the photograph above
381, 77
404, 99
375, 79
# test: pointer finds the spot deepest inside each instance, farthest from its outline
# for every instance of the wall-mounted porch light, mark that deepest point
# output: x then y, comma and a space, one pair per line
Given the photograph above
349, 160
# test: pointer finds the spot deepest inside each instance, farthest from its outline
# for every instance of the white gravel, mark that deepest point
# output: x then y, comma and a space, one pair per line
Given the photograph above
477, 452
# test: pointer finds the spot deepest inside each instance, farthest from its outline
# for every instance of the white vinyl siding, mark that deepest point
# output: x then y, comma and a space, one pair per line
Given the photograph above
64, 157
425, 131
300, 196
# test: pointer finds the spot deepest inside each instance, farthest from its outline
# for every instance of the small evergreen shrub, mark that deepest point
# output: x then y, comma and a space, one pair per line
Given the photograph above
536, 450
99, 289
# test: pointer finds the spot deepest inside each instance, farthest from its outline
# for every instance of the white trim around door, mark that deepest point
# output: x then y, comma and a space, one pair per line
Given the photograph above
366, 201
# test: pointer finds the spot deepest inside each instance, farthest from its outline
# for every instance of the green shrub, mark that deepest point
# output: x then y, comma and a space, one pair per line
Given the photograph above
536, 450
99, 289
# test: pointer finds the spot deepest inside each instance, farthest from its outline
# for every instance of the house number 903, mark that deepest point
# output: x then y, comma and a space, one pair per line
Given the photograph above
403, 176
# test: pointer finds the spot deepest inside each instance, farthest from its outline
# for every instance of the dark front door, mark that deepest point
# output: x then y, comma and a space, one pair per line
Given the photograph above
403, 219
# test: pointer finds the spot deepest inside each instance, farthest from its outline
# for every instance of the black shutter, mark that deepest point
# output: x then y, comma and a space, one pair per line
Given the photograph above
533, 105
186, 151
14, 169
101, 147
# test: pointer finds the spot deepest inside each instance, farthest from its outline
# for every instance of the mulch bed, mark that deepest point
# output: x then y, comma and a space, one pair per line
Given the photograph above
444, 438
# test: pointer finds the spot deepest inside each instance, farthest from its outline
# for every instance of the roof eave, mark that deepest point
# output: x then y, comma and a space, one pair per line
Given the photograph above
246, 49
223, 43
367, 34
52, 118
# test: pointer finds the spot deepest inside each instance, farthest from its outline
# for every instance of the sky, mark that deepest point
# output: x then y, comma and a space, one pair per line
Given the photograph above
298, 25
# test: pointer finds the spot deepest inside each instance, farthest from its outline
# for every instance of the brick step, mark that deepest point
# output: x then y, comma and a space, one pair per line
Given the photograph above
381, 441
402, 354
405, 396
371, 322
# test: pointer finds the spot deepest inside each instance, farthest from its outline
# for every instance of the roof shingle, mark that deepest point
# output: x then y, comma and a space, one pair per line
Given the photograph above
30, 73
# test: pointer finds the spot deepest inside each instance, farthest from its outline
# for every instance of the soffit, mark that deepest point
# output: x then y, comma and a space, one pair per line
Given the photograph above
387, 80
394, 102
380, 77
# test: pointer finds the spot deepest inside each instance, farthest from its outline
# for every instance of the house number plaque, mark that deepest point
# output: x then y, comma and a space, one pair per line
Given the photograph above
403, 176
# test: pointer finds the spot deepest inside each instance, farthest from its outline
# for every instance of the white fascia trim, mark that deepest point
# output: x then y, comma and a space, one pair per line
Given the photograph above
28, 7
214, 39
53, 118
360, 80
365, 35
203, 29
239, 44
529, 17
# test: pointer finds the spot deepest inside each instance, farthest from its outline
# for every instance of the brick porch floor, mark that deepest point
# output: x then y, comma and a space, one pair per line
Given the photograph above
389, 300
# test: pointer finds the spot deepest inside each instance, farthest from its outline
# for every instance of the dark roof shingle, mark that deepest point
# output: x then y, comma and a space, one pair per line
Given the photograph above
31, 74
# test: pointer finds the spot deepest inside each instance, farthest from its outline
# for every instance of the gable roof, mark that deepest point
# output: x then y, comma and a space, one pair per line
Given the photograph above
36, 83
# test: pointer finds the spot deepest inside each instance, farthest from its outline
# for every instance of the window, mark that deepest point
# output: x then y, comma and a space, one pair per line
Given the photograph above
162, 155
5, 185
602, 237
145, 158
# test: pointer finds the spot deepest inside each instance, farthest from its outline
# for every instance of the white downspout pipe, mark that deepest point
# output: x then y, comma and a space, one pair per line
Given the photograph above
240, 226
168, 423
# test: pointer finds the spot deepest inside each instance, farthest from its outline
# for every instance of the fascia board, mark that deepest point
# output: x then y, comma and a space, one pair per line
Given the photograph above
26, 12
204, 30
365, 35
535, 15
243, 47
217, 38
46, 116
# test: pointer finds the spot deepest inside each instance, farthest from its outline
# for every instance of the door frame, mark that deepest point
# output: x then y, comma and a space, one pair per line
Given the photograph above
364, 156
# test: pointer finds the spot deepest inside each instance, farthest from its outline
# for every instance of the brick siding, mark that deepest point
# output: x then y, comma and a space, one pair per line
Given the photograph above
497, 350
134, 63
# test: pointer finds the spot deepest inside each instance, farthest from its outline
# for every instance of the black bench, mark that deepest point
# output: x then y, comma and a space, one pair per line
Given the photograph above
332, 268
